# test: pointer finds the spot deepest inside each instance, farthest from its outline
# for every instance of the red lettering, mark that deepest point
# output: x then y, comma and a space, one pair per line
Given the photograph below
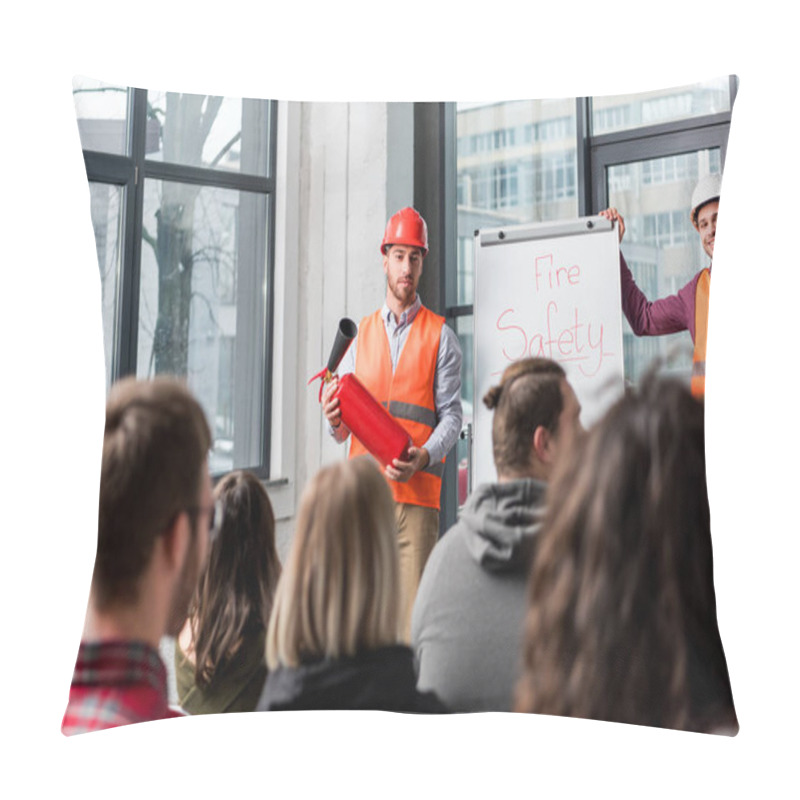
554, 278
565, 342
549, 260
513, 328
561, 340
574, 272
595, 346
540, 349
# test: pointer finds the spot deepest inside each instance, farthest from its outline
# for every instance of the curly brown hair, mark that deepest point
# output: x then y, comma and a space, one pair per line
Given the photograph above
622, 622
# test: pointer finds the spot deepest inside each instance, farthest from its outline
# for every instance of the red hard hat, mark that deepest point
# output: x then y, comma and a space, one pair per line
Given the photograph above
406, 227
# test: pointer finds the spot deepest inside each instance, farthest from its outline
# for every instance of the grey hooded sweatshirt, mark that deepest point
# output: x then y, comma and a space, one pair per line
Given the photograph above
466, 629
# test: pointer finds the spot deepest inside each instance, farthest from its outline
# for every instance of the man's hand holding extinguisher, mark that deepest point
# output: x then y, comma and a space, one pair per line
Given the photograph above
331, 410
401, 471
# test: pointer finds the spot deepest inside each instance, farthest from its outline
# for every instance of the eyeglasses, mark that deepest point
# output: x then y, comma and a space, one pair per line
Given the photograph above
214, 517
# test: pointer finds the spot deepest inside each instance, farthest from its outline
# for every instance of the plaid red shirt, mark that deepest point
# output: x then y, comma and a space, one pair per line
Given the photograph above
116, 683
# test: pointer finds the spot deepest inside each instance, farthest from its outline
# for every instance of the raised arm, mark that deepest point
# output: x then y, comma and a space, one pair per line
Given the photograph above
648, 318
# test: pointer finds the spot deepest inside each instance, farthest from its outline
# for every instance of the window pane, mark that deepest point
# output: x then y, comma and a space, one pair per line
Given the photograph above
516, 163
102, 112
622, 112
106, 209
205, 131
202, 307
660, 246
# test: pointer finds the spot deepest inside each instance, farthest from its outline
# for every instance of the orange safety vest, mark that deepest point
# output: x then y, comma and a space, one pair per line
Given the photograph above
408, 393
700, 331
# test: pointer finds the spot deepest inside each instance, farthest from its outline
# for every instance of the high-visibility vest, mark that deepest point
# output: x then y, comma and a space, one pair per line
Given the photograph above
408, 393
700, 331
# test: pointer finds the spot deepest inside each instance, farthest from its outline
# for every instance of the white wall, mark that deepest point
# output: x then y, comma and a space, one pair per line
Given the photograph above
343, 168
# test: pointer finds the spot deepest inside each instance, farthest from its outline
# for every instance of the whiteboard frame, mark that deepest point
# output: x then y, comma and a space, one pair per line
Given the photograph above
540, 230
495, 236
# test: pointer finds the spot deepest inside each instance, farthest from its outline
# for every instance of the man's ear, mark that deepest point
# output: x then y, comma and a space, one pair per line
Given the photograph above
541, 444
176, 540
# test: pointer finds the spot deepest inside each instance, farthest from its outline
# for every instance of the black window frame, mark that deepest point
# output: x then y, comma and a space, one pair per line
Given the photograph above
129, 171
595, 153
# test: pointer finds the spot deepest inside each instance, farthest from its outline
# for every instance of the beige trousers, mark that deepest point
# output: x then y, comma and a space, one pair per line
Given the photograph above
417, 533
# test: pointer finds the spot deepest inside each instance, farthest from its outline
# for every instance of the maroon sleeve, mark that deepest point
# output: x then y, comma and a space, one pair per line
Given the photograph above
654, 318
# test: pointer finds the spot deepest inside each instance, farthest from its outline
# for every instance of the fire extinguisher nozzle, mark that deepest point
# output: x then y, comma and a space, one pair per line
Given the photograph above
345, 334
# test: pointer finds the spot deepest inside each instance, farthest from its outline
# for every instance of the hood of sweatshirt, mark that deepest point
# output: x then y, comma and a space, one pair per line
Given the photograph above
502, 521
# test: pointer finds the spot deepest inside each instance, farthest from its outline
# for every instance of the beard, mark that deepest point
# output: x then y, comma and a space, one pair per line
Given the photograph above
404, 293
184, 588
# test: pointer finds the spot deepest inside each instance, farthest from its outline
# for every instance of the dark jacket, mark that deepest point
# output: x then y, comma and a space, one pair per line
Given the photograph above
382, 679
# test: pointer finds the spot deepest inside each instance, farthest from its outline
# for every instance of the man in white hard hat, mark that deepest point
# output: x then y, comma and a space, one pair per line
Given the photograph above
688, 309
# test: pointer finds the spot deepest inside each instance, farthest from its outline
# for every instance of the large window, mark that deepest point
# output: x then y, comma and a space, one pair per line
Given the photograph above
516, 163
182, 203
531, 161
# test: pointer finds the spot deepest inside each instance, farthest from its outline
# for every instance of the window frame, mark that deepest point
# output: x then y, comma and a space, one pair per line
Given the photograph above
657, 141
130, 171
594, 154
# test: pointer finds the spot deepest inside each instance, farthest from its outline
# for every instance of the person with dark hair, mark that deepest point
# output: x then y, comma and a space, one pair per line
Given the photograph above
621, 622
219, 655
156, 514
333, 640
467, 622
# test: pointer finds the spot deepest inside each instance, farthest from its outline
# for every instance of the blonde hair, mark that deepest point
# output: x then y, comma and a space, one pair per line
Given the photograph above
339, 592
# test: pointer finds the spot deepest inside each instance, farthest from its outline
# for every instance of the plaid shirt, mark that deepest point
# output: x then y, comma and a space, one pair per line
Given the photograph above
116, 683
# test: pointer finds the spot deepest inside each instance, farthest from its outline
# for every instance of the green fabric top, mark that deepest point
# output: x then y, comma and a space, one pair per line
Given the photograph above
236, 686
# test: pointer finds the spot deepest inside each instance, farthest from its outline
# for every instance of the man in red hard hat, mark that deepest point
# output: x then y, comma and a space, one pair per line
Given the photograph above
688, 309
411, 362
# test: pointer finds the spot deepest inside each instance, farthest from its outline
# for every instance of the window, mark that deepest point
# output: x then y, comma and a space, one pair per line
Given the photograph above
625, 112
642, 153
526, 172
182, 202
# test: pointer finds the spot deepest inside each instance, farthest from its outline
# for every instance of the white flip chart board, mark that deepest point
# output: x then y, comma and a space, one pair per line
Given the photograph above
551, 290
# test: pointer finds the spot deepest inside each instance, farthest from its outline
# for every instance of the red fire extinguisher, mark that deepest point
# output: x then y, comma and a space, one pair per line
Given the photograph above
380, 433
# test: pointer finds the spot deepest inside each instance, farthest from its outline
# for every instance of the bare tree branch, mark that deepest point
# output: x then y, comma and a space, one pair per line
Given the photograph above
211, 314
150, 239
225, 149
209, 116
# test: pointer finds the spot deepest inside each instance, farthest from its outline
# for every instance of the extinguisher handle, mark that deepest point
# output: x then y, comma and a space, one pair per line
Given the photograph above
326, 376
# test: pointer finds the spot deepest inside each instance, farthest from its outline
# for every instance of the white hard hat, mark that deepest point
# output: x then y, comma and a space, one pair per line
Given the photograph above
707, 189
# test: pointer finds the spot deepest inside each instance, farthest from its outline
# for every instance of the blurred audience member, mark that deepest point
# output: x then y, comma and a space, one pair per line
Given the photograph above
467, 621
156, 512
622, 622
333, 637
219, 655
